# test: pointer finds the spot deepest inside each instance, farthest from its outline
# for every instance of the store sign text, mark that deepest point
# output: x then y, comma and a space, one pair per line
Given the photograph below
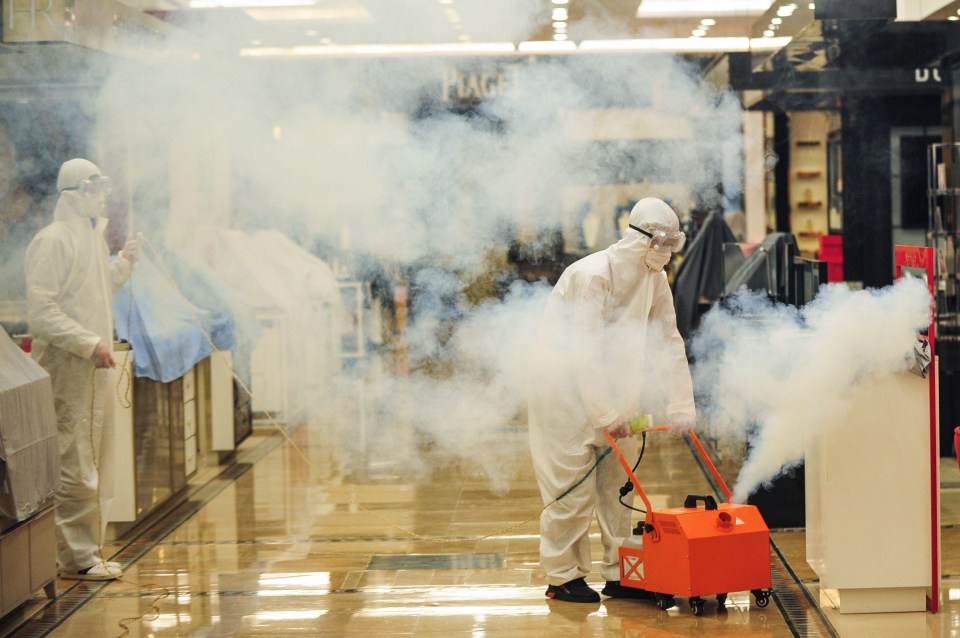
473, 85
923, 75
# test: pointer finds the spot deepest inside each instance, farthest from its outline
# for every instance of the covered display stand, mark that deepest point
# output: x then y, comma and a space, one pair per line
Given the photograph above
872, 489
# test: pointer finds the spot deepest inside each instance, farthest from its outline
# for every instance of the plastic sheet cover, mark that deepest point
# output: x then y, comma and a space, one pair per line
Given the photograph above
29, 450
700, 275
168, 334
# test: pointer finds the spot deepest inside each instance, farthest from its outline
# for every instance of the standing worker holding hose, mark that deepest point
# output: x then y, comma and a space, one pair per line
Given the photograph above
602, 318
70, 287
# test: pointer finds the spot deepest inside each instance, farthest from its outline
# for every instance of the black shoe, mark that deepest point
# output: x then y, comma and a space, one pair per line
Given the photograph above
575, 591
614, 589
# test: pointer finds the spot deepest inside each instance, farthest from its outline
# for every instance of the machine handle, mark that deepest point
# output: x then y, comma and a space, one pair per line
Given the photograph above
691, 501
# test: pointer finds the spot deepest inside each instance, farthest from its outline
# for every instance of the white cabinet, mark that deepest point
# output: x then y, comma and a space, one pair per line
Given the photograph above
190, 422
869, 511
219, 398
124, 505
28, 560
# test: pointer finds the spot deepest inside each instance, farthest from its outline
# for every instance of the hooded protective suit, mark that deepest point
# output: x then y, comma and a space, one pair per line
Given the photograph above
70, 285
607, 314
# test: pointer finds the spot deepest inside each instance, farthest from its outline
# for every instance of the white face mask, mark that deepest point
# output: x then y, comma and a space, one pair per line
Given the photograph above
656, 260
94, 204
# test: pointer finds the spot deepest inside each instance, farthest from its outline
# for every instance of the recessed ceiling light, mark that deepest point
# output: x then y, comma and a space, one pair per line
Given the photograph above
560, 26
698, 33
768, 33
559, 14
559, 36
953, 18
561, 1
708, 22
776, 21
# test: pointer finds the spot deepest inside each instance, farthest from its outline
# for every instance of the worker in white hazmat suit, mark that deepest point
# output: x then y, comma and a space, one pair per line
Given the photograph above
607, 314
70, 286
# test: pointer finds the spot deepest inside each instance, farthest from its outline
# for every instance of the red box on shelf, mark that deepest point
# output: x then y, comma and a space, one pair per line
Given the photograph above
831, 251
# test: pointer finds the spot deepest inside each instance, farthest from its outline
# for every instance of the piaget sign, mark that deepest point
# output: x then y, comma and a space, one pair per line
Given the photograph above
461, 85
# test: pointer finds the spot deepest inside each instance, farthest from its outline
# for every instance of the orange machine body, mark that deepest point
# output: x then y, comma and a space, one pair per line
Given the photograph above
692, 551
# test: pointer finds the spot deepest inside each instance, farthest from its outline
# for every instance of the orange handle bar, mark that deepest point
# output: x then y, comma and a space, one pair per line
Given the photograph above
696, 443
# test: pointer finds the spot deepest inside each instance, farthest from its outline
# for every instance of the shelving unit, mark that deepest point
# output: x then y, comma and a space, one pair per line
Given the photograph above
808, 184
943, 193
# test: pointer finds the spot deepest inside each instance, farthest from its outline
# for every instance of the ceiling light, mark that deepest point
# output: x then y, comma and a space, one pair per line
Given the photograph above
768, 33
786, 10
776, 21
953, 18
698, 33
561, 1
691, 8
560, 26
559, 36
684, 45
386, 50
559, 14
812, 6
708, 22
547, 46
248, 4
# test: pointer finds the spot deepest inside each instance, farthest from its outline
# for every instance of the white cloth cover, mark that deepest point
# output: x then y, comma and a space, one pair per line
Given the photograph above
29, 458
607, 319
70, 283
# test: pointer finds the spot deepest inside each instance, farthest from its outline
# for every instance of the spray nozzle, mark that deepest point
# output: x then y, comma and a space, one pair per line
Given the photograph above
640, 423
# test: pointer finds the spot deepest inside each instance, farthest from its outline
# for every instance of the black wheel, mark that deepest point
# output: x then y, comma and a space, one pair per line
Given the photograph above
697, 607
763, 601
721, 599
664, 602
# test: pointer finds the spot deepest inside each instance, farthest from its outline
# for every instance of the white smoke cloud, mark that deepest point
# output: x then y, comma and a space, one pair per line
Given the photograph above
363, 158
776, 374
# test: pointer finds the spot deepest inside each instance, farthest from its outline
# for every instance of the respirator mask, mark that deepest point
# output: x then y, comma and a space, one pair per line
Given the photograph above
662, 245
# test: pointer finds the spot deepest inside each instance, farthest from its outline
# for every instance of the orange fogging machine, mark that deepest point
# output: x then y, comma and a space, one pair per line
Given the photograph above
700, 549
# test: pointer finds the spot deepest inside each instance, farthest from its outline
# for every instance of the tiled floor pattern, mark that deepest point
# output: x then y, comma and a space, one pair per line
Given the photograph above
289, 542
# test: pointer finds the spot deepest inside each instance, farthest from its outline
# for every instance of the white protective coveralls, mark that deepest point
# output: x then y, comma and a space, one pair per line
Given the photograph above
608, 314
70, 286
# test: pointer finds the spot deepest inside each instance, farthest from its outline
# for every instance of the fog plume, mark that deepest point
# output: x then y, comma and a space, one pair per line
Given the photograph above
774, 374
414, 174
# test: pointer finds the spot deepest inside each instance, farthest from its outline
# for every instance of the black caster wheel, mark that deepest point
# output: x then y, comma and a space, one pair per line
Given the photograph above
721, 599
664, 602
697, 604
762, 597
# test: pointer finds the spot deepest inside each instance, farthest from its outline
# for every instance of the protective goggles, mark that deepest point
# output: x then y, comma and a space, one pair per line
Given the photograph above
672, 241
96, 185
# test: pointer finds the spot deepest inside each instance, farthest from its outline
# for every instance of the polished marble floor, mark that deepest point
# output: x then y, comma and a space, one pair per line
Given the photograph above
291, 540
